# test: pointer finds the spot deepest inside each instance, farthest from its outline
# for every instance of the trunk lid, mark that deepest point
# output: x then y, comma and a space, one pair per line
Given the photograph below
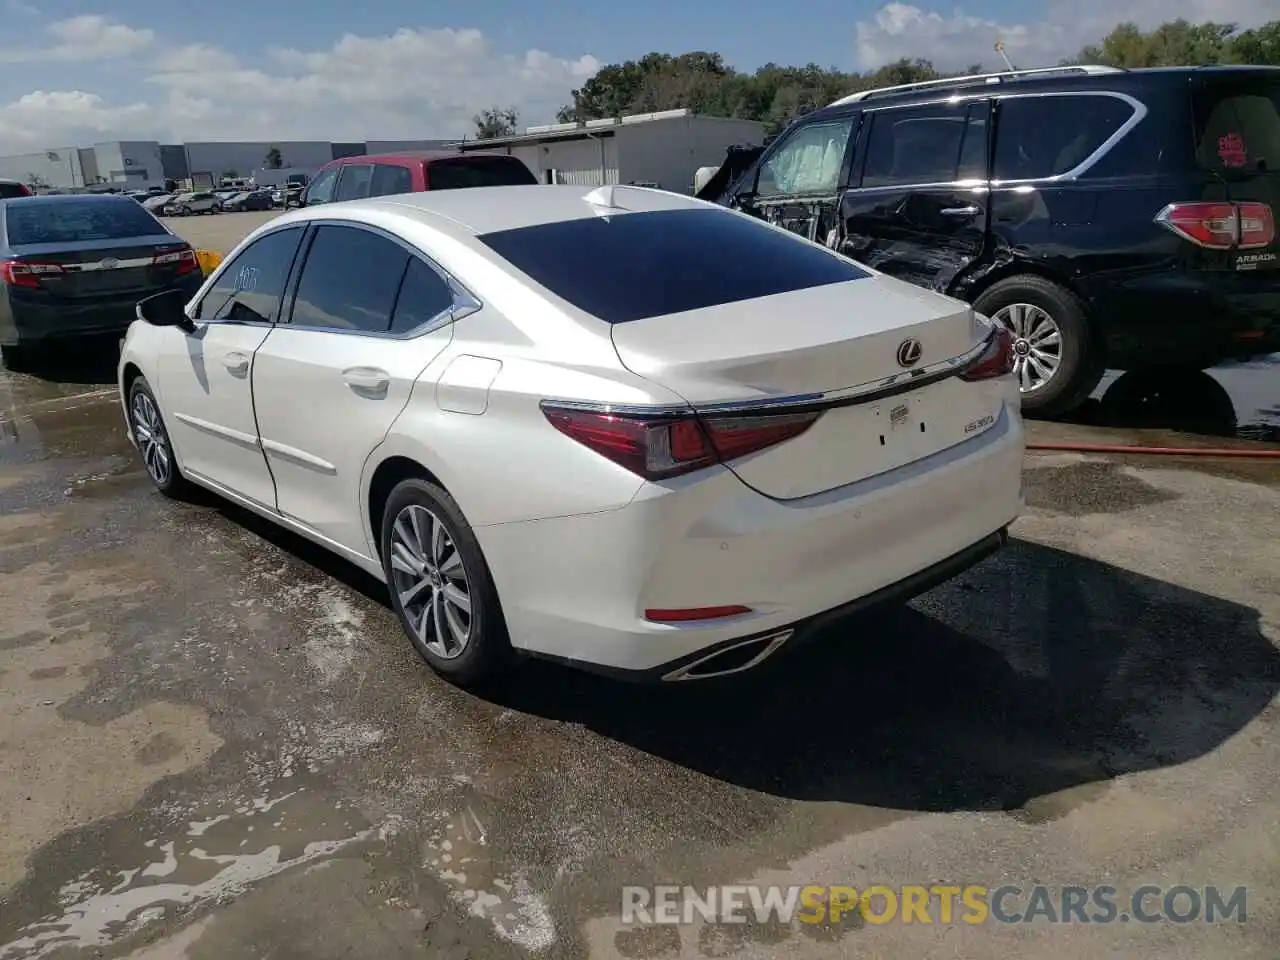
843, 339
1237, 143
95, 268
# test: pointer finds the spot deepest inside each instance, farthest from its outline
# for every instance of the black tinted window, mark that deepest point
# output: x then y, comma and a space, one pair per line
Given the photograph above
1238, 125
424, 294
478, 172
1049, 135
10, 190
250, 287
389, 179
353, 182
641, 265
915, 145
349, 281
46, 220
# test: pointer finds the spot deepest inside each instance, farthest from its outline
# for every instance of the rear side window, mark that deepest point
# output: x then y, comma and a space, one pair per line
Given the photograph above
919, 145
461, 172
1046, 136
249, 289
353, 182
349, 281
10, 190
45, 220
424, 295
389, 179
1238, 125
702, 258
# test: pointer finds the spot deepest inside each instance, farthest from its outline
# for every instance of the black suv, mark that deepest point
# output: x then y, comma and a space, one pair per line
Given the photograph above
1110, 218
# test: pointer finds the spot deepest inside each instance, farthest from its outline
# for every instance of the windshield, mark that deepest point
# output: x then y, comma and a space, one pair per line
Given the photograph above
670, 261
478, 172
1238, 124
44, 220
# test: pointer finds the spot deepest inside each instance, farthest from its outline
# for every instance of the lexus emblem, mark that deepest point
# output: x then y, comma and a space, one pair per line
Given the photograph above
109, 263
909, 352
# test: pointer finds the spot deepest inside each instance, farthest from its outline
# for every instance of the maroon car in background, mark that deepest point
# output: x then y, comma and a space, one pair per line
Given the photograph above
353, 178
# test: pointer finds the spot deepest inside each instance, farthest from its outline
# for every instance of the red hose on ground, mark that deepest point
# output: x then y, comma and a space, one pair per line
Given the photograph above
1240, 453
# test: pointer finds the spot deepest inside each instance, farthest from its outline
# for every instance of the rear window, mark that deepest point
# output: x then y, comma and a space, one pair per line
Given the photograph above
478, 172
1238, 125
640, 265
66, 221
10, 190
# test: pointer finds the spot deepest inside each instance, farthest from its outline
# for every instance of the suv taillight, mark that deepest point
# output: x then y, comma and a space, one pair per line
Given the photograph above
658, 449
1218, 225
996, 360
26, 273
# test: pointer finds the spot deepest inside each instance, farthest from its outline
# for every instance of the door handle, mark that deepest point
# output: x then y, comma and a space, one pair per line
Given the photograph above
367, 379
236, 362
970, 211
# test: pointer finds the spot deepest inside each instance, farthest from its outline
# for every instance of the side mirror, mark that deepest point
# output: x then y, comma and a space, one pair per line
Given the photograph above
166, 309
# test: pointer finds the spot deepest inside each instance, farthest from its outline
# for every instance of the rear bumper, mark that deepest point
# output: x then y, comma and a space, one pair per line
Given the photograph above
1193, 319
717, 542
40, 320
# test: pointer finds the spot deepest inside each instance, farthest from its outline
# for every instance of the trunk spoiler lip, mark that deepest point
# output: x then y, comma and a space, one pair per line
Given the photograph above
783, 405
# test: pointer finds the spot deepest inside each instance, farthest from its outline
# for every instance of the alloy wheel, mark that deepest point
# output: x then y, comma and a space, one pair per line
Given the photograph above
148, 431
1037, 345
430, 579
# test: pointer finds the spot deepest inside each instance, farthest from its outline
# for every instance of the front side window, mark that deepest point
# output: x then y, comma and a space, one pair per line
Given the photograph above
389, 179
353, 182
1047, 136
249, 289
321, 189
349, 281
808, 163
915, 145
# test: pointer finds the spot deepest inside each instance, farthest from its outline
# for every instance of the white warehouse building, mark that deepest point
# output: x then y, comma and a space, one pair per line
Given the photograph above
650, 149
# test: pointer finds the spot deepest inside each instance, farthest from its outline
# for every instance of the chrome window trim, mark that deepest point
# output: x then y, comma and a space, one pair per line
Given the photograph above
860, 393
464, 303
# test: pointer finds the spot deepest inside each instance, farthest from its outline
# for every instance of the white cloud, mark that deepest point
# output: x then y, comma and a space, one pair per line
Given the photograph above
955, 39
84, 38
61, 118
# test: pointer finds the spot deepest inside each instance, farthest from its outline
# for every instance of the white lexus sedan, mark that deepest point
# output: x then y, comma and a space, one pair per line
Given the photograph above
618, 427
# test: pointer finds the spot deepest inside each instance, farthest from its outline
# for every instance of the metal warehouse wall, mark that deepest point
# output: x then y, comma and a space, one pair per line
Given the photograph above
59, 167
668, 152
244, 157
88, 164
173, 161
132, 163
395, 146
583, 162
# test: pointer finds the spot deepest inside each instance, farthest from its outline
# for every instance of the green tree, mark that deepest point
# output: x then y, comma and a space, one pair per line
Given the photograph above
273, 159
496, 122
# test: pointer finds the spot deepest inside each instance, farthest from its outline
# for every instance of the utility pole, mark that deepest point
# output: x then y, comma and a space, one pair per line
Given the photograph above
1003, 56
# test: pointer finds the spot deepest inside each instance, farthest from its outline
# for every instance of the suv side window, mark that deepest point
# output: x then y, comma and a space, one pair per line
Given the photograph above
349, 281
249, 289
809, 162
321, 189
914, 145
353, 181
1046, 136
389, 178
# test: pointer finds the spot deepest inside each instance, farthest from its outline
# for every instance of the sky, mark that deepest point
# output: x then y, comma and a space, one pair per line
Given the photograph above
76, 73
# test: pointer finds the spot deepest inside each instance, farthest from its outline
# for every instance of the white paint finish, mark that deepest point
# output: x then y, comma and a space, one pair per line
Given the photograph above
318, 427
621, 544
207, 407
464, 385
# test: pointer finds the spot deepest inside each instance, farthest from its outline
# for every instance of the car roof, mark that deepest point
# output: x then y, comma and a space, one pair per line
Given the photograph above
480, 210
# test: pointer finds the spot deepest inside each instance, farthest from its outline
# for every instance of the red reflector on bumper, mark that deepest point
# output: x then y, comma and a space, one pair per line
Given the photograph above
689, 614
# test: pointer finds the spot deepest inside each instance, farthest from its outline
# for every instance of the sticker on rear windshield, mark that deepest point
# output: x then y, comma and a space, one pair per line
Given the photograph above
1232, 151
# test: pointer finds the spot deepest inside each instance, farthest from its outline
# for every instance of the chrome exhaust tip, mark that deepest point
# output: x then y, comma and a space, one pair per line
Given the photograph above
734, 658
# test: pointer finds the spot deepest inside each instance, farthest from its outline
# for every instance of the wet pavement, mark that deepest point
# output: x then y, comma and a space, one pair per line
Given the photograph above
217, 743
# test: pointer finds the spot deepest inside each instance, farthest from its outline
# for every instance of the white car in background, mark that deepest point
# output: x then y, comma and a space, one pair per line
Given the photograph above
615, 427
186, 204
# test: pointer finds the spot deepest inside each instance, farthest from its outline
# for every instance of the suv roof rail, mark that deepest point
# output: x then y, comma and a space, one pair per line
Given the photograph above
976, 79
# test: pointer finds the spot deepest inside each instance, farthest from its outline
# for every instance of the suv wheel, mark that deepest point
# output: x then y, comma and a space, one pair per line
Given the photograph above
1056, 362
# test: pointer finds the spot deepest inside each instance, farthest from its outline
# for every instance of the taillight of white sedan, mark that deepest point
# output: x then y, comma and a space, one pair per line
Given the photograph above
616, 427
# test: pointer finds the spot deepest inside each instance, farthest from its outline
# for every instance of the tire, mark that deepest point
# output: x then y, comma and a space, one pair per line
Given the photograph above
144, 424
16, 359
1079, 360
485, 651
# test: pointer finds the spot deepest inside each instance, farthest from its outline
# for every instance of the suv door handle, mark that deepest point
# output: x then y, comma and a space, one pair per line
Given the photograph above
970, 211
236, 362
366, 379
